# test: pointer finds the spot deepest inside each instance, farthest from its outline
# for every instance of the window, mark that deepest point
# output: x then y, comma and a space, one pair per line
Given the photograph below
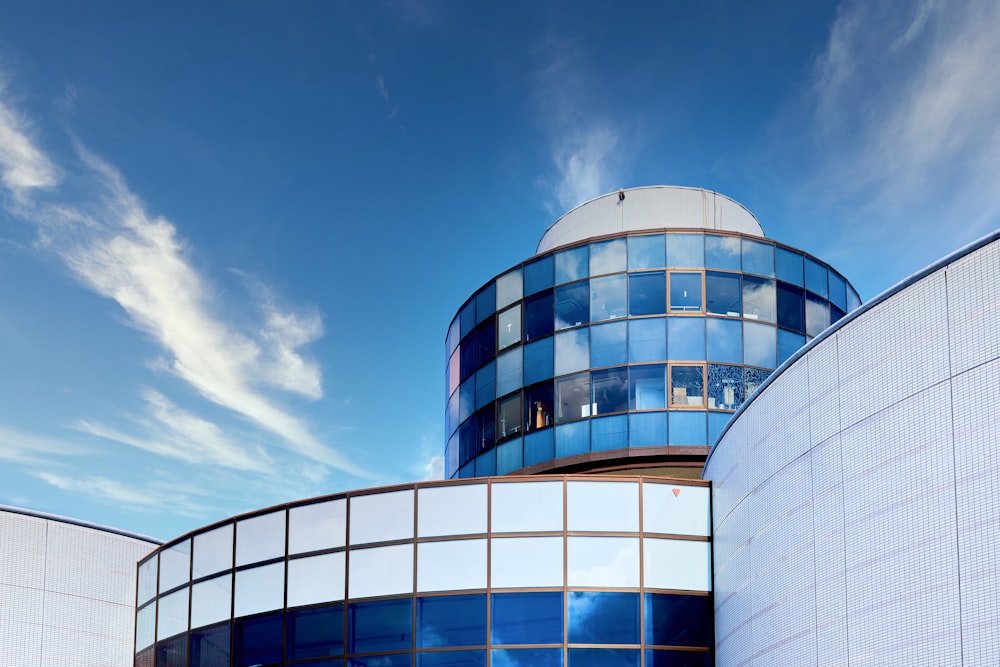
610, 390
722, 293
573, 397
572, 304
647, 293
509, 327
646, 252
608, 297
758, 299
687, 386
685, 291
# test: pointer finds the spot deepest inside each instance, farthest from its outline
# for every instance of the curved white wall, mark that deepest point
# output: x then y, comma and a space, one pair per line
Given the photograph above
855, 503
67, 592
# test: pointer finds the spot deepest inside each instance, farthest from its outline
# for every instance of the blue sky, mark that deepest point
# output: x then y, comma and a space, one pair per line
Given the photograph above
233, 235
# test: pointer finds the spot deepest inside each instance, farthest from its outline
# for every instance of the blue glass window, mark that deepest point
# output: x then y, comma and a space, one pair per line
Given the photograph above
646, 252
838, 291
469, 355
539, 315
788, 344
510, 417
539, 358
538, 447
509, 327
397, 660
722, 252
452, 659
723, 294
609, 389
509, 456
817, 315
758, 257
527, 618
451, 620
758, 299
486, 384
316, 663
510, 288
647, 387
609, 433
603, 618
486, 341
760, 345
753, 378
573, 304
173, 652
685, 291
853, 300
647, 340
647, 429
572, 350
468, 317
607, 257
538, 275
665, 658
608, 344
678, 620
572, 264
468, 441
486, 302
486, 463
386, 625
687, 386
454, 334
538, 405
315, 633
816, 278
791, 305
687, 428
725, 340
573, 397
725, 387
527, 657
686, 250
717, 422
258, 641
835, 313
647, 293
608, 297
509, 371
572, 438
210, 647
604, 657
686, 338
789, 266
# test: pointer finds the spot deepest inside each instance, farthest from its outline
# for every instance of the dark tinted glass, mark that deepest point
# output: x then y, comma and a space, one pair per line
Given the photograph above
527, 618
661, 658
609, 389
538, 406
486, 302
678, 620
380, 626
685, 291
146, 657
486, 426
722, 293
258, 641
647, 293
452, 659
398, 660
315, 633
451, 620
603, 618
173, 652
604, 657
468, 317
835, 313
486, 340
210, 648
469, 351
538, 275
538, 361
468, 440
528, 657
539, 446
509, 422
791, 308
572, 304
539, 315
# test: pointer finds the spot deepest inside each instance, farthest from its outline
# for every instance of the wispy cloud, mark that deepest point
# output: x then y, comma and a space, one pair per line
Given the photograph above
148, 498
28, 449
23, 167
383, 89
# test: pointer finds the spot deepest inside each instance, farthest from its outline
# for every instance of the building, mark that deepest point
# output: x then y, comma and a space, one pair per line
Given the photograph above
67, 591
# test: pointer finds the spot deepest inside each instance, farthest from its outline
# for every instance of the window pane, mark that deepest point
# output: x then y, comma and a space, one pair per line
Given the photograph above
725, 387
853, 300
392, 660
175, 566
789, 266
510, 417
788, 344
486, 301
758, 299
258, 642
451, 659
603, 657
722, 294
603, 618
607, 257
526, 562
316, 579
538, 402
172, 653
147, 579
172, 615
538, 275
753, 378
760, 345
451, 620
816, 278
686, 338
678, 620
317, 526
386, 625
602, 506
510, 456
609, 433
486, 384
758, 258
539, 360
647, 389
527, 507
486, 463
717, 422
467, 399
817, 315
527, 657
379, 517
259, 589
509, 371
668, 658
790, 307
722, 252
572, 438
609, 389
145, 626
572, 304
686, 250
539, 315
647, 340
315, 633
725, 340
687, 428
486, 341
468, 317
647, 293
213, 552
608, 297
572, 264
646, 252
685, 291
687, 386
676, 510
526, 618
647, 429
509, 327
838, 291
381, 570
210, 648
539, 447
677, 564
608, 344
572, 351
211, 601
509, 288
260, 538
451, 510
450, 566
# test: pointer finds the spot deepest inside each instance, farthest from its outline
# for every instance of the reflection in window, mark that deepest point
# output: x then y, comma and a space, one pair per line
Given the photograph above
451, 510
682, 565
317, 526
647, 340
538, 402
687, 250
468, 317
609, 389
539, 447
210, 647
509, 371
603, 618
607, 257
608, 344
510, 456
486, 301
789, 266
172, 653
147, 579
539, 360
315, 633
509, 288
385, 625
527, 657
790, 307
381, 570
758, 299
573, 397
451, 620
646, 252
678, 620
510, 416
687, 386
753, 378
760, 344
817, 315
603, 657
379, 517
608, 298
538, 275
685, 291
213, 551
486, 341
722, 252
788, 344
260, 538
725, 387
258, 642
466, 399
572, 304
686, 338
816, 278
758, 257
668, 658
259, 589
527, 507
447, 659
175, 565
526, 618
725, 340
172, 615
722, 293
647, 293
539, 315
391, 660
572, 351
316, 579
647, 390
145, 625
486, 385
211, 601
572, 264
838, 291
509, 327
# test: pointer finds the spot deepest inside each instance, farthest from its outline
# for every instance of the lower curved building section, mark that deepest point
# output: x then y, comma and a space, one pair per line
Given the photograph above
556, 570
855, 497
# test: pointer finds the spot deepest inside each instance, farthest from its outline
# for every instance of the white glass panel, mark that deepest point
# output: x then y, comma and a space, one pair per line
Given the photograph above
211, 601
213, 551
522, 507
260, 589
602, 561
677, 565
451, 566
147, 580
318, 526
521, 562
451, 510
675, 509
145, 627
316, 579
175, 565
605, 506
381, 517
260, 538
173, 615
381, 571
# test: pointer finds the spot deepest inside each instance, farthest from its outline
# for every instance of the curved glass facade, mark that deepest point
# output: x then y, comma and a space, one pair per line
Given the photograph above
634, 340
536, 571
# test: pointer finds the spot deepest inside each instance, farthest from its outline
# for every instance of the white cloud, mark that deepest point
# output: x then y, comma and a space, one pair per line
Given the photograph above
150, 498
23, 166
434, 468
28, 449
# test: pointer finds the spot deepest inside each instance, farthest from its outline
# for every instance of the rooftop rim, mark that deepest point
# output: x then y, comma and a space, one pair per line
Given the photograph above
80, 523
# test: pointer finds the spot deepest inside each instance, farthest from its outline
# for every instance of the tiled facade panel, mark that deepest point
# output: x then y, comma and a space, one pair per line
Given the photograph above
67, 593
899, 481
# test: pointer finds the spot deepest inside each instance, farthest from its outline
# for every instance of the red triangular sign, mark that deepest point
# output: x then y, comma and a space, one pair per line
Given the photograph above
677, 492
